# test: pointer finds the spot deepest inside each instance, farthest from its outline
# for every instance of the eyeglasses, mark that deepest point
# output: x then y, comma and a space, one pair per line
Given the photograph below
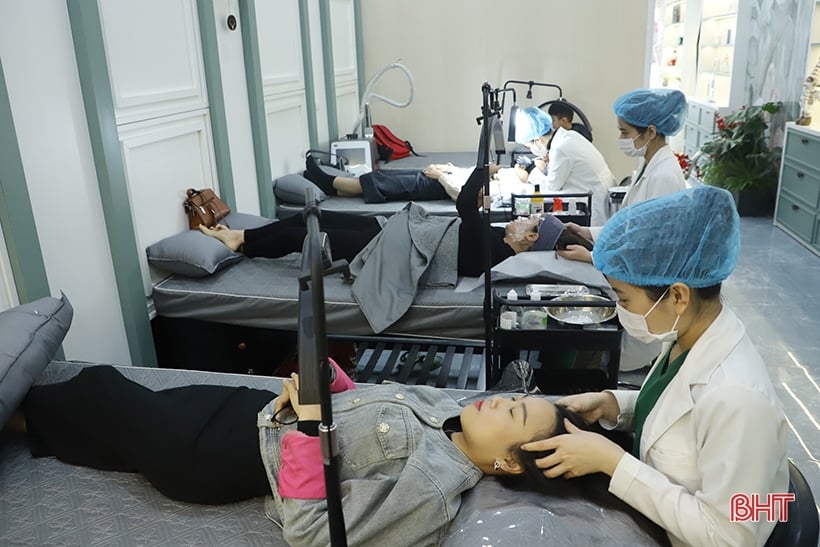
285, 416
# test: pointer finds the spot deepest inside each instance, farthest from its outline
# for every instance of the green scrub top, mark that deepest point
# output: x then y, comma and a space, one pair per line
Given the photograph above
651, 392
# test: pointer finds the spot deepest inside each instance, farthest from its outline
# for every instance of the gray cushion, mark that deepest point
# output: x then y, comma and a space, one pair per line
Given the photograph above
29, 336
291, 189
193, 254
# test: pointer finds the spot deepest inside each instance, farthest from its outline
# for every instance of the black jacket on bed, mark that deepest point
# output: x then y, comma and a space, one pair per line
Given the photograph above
472, 234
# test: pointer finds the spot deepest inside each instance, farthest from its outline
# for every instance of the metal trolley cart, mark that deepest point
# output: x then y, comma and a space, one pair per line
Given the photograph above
505, 345
566, 357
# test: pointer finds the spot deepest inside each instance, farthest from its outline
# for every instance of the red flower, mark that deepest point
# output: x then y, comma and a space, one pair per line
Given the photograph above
683, 160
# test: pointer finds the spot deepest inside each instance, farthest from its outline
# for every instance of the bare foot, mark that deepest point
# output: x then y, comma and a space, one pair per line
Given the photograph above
232, 239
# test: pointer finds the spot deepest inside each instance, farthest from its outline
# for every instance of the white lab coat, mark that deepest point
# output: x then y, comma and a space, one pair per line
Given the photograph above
575, 165
716, 430
663, 175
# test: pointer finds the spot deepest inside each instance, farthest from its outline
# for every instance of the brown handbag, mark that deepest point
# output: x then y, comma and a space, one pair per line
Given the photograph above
204, 207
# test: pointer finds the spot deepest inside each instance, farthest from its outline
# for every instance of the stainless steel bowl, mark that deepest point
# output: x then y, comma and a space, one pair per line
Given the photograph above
581, 315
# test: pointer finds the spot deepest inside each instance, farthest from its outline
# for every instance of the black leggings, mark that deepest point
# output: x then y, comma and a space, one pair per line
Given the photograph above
348, 235
197, 444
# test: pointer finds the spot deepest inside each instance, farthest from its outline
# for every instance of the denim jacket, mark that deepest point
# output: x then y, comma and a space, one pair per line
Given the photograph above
401, 477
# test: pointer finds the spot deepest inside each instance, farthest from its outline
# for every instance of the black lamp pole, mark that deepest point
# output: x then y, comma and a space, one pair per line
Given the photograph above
314, 367
484, 163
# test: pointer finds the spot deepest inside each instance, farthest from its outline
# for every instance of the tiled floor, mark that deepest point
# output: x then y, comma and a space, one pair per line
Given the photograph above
776, 292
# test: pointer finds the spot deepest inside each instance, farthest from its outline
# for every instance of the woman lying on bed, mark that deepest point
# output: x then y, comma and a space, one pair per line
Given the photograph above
435, 182
349, 234
407, 453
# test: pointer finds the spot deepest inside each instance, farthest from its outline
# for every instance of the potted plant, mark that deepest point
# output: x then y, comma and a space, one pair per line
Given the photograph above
740, 159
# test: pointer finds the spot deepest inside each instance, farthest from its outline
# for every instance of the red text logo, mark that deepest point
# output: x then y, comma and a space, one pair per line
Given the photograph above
744, 507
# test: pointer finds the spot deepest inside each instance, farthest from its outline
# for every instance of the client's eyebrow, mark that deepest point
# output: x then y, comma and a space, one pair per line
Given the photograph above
524, 406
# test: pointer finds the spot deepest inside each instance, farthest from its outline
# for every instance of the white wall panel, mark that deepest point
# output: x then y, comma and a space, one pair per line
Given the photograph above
237, 109
279, 46
343, 32
154, 57
157, 77
280, 57
162, 159
343, 28
287, 133
347, 106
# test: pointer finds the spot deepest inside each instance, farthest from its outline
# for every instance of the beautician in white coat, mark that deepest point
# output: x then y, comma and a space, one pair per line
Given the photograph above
707, 421
575, 165
645, 118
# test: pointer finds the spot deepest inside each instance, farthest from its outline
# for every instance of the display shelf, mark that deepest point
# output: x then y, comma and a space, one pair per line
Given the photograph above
672, 29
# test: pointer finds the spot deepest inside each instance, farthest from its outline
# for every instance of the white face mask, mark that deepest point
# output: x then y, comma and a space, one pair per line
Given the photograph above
538, 149
627, 146
635, 324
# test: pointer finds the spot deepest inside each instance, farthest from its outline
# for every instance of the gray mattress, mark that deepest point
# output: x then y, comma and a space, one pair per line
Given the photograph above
263, 292
46, 502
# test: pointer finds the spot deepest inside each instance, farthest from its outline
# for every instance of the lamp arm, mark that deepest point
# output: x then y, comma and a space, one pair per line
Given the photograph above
369, 94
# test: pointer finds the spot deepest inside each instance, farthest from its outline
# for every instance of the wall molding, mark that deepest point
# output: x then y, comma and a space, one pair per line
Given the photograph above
329, 71
256, 104
307, 69
19, 230
216, 103
357, 22
89, 50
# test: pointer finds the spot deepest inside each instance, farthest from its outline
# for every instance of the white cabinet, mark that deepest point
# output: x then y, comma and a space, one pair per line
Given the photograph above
797, 211
700, 125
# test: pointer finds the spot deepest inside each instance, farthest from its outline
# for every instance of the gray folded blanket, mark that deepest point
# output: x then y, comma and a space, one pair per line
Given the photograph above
413, 250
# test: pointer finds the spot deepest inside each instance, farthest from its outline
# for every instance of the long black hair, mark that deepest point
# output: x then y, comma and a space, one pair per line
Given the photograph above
532, 478
593, 488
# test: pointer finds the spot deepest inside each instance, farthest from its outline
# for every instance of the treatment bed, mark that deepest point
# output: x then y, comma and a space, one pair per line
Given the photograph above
263, 293
46, 502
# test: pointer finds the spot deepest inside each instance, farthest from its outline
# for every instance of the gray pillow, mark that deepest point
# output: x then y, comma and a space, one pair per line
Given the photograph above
193, 254
29, 336
291, 189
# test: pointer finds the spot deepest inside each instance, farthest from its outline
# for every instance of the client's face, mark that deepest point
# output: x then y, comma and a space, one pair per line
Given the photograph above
491, 426
516, 233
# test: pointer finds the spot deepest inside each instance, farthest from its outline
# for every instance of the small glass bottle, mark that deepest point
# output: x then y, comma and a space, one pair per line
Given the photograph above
508, 318
537, 201
522, 207
534, 318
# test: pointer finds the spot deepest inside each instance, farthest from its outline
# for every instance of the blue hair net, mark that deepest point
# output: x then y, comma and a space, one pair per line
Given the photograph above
691, 236
663, 108
531, 123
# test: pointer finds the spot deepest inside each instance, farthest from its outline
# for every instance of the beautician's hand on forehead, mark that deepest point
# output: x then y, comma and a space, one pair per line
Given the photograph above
592, 406
576, 454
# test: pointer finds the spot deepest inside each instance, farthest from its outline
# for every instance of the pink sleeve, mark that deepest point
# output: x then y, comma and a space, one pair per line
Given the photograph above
342, 381
302, 474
